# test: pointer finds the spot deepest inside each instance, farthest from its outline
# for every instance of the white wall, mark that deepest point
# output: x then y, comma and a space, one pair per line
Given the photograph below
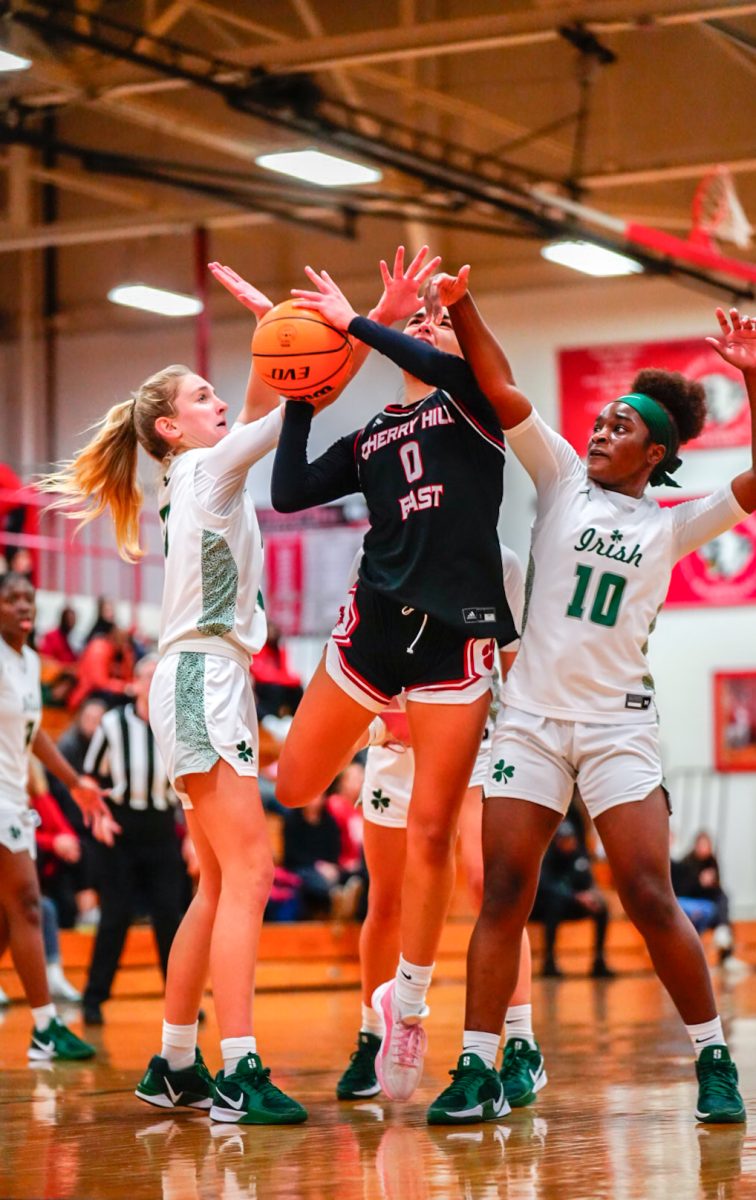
98, 369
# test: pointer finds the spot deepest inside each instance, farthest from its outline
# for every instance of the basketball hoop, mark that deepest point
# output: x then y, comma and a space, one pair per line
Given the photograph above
717, 212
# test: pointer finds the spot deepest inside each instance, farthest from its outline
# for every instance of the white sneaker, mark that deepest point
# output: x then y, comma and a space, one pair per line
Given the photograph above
399, 1061
4, 999
60, 988
735, 966
723, 937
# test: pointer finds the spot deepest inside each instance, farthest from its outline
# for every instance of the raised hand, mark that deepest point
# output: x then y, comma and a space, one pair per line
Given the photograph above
444, 290
328, 300
737, 345
257, 302
97, 815
401, 288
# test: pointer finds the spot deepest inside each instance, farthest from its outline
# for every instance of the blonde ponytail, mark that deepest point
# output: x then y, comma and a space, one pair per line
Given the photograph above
104, 472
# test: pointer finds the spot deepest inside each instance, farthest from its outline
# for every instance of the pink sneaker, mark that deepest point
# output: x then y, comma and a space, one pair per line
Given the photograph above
399, 1061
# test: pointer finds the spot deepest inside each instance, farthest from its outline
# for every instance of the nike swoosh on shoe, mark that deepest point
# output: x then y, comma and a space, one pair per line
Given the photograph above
175, 1096
233, 1103
475, 1111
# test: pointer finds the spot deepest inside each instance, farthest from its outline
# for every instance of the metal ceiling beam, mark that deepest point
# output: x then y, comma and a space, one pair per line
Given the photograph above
468, 34
82, 233
615, 179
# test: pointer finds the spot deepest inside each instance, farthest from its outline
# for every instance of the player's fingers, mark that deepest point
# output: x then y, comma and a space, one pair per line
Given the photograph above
429, 269
399, 261
417, 261
735, 318
385, 273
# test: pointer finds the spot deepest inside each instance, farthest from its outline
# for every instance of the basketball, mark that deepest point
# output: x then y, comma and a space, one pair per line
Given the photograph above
299, 354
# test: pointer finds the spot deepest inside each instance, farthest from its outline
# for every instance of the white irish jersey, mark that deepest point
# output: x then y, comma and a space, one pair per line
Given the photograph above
213, 547
20, 715
599, 573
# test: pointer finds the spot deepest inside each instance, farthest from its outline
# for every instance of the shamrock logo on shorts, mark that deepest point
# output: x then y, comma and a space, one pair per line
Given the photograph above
379, 801
246, 753
15, 832
502, 772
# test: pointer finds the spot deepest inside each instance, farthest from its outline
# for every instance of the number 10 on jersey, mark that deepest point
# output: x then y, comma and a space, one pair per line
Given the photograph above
607, 596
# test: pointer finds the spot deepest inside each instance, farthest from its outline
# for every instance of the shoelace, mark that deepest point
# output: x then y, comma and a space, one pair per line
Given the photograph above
260, 1079
721, 1079
410, 1045
457, 1088
359, 1057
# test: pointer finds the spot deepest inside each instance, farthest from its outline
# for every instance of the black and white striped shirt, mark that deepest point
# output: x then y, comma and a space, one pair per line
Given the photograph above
124, 755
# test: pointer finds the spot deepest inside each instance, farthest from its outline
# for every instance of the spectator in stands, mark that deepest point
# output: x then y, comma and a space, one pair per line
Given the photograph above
343, 801
277, 686
18, 515
106, 668
60, 987
61, 863
56, 643
104, 619
695, 879
73, 743
567, 892
312, 848
145, 863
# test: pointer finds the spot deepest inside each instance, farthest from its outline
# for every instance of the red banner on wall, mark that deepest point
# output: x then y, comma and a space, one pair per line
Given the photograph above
592, 376
284, 578
721, 572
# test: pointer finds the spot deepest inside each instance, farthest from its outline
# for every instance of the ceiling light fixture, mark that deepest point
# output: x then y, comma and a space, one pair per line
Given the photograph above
155, 300
13, 62
590, 258
315, 167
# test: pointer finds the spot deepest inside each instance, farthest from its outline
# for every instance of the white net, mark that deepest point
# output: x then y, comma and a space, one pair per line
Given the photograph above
717, 211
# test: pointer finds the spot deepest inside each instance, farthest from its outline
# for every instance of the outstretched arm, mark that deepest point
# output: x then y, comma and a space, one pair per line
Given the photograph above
259, 397
400, 297
737, 346
482, 352
297, 483
416, 357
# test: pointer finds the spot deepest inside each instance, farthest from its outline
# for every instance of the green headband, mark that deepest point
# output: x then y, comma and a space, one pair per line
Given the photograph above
660, 426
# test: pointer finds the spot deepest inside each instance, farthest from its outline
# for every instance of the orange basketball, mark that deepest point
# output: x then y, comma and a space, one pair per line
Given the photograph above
299, 354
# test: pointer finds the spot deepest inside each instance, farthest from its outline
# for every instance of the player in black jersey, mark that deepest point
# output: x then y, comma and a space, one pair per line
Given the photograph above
423, 618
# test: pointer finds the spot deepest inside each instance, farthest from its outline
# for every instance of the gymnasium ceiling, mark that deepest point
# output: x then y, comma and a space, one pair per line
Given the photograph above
139, 122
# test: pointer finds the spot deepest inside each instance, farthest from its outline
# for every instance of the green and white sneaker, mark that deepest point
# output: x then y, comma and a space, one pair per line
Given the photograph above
58, 1041
522, 1072
359, 1080
475, 1094
247, 1097
719, 1101
191, 1087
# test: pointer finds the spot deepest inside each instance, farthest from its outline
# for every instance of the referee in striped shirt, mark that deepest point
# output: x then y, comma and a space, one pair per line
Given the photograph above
144, 868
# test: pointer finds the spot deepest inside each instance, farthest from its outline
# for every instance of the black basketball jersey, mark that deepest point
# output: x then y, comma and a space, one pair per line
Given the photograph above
432, 477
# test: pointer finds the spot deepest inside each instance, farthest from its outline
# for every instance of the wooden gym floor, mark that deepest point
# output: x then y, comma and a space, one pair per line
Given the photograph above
615, 1121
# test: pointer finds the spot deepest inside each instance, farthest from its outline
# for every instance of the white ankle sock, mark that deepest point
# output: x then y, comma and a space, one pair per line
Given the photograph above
518, 1023
43, 1015
412, 983
485, 1045
179, 1045
371, 1021
710, 1033
235, 1049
